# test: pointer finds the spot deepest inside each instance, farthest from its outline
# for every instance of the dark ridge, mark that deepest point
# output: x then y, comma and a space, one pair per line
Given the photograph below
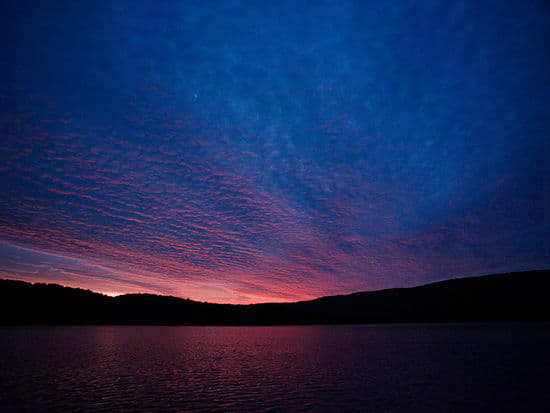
502, 297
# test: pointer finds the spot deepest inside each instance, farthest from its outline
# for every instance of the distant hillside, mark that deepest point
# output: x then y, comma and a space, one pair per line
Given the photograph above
513, 296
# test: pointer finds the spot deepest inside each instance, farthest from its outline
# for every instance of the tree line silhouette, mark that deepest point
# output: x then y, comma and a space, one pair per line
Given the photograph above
501, 297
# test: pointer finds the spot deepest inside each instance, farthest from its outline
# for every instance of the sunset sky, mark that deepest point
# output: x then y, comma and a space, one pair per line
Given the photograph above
272, 151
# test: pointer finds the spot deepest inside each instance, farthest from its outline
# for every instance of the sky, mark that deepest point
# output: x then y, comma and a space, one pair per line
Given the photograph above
255, 151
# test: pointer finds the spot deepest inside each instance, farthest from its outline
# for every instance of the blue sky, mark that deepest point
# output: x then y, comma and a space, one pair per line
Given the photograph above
272, 151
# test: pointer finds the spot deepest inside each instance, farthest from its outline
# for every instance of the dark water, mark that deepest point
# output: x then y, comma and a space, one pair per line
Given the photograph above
438, 368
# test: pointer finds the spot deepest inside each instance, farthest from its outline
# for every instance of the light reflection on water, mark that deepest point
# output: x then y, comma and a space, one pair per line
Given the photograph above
454, 367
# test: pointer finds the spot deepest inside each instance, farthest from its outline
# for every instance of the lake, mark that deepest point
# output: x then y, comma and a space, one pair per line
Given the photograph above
423, 367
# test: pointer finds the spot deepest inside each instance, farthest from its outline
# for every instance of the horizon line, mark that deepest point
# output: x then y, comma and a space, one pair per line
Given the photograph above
115, 295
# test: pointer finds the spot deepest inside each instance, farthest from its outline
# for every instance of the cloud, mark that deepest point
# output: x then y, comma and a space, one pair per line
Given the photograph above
318, 149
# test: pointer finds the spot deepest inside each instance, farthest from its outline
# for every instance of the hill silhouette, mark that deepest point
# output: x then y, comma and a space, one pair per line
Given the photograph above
512, 296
